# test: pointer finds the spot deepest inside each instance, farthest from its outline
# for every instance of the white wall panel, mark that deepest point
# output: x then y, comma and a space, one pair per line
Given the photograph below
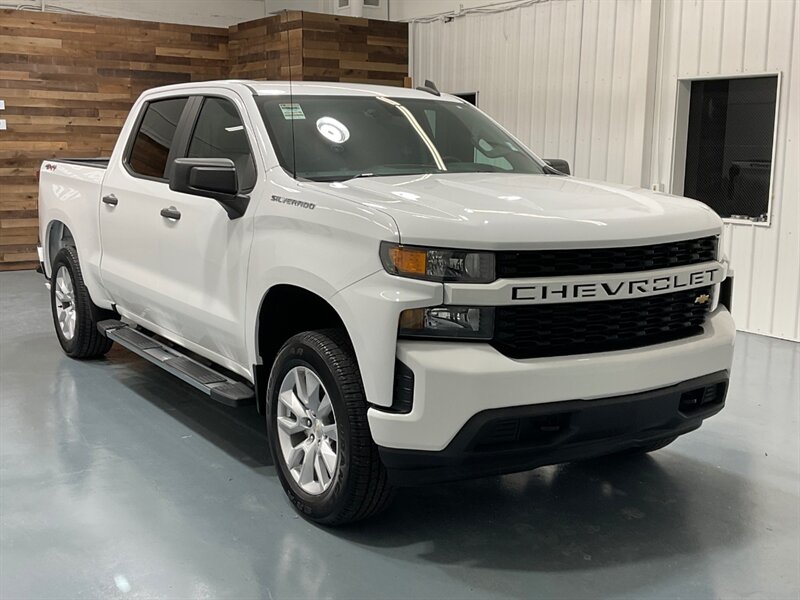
562, 75
406, 10
212, 13
595, 82
523, 62
733, 37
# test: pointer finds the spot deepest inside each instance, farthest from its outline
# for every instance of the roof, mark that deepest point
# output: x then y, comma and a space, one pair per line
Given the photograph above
306, 88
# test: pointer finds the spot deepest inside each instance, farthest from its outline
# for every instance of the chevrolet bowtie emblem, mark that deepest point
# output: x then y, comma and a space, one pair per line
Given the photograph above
702, 299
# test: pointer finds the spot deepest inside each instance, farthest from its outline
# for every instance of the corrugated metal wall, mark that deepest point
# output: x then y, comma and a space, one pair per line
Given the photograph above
716, 37
595, 82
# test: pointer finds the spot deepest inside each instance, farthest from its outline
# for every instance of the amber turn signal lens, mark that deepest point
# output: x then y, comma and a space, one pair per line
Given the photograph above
413, 318
437, 264
448, 322
409, 261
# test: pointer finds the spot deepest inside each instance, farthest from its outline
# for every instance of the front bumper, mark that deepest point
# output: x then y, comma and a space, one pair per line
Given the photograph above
514, 439
454, 381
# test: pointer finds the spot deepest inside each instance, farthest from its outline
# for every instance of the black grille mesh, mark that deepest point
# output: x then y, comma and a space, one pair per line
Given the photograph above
537, 330
601, 261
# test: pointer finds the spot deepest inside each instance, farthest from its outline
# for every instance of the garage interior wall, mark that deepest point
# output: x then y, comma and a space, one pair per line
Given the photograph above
68, 82
216, 13
321, 48
207, 13
595, 82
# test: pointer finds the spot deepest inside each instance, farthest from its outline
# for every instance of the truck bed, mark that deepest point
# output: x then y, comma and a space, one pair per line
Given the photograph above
100, 162
69, 198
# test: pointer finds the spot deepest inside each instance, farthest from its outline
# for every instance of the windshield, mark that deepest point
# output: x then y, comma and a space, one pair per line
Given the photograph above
342, 137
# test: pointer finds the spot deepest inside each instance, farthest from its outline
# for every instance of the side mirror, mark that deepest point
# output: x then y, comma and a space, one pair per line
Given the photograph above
559, 164
212, 178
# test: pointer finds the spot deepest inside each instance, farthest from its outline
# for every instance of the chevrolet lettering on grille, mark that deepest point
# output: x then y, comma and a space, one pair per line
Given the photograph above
631, 285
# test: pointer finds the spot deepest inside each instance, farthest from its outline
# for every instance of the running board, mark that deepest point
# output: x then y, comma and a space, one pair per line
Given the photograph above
219, 387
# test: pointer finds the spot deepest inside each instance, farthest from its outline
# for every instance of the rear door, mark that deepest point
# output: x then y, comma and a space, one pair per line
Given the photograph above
133, 194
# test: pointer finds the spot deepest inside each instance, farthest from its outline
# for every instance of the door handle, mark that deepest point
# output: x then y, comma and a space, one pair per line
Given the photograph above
111, 199
171, 213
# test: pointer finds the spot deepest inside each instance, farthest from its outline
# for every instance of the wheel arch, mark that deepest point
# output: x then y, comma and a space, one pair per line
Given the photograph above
58, 235
60, 232
286, 310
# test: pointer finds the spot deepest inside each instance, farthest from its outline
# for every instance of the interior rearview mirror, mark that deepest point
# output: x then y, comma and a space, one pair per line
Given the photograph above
559, 164
211, 178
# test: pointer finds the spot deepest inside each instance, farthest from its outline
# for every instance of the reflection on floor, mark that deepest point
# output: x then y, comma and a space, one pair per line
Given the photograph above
117, 479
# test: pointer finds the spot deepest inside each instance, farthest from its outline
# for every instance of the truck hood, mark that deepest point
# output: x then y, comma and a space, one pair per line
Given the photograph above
496, 211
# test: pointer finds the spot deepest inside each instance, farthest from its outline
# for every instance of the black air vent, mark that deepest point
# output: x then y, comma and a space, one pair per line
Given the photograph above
601, 261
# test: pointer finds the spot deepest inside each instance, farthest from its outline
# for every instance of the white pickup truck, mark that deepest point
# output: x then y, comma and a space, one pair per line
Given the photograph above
406, 292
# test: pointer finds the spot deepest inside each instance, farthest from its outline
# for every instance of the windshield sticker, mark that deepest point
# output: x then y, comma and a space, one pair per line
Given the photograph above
292, 111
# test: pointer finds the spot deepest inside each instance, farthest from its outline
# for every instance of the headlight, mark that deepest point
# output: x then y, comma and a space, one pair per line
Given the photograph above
461, 322
438, 264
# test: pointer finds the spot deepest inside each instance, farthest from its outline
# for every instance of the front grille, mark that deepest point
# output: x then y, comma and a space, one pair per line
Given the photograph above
603, 261
537, 330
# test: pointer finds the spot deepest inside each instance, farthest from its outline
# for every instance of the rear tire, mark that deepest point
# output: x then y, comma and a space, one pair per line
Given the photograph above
318, 369
75, 316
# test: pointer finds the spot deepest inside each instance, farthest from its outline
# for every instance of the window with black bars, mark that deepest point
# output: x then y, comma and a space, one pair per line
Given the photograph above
729, 145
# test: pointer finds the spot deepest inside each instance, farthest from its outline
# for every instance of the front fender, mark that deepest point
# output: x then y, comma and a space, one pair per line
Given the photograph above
370, 310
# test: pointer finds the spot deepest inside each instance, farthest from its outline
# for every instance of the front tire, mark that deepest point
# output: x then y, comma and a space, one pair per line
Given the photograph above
318, 432
75, 316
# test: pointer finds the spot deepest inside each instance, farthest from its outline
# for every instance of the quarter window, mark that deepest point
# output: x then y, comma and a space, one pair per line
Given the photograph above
219, 133
153, 141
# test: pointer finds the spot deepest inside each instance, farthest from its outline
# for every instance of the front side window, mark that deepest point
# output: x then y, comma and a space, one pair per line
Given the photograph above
150, 149
219, 133
334, 138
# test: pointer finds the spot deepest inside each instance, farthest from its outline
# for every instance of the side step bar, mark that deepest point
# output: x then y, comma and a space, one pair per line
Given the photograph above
219, 387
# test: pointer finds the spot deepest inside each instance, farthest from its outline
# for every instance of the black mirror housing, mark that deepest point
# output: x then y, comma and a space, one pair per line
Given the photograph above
559, 164
211, 178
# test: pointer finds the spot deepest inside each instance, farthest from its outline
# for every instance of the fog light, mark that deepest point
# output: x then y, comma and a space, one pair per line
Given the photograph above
458, 322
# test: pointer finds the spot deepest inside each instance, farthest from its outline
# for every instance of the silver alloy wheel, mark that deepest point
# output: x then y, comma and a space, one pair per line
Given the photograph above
307, 430
65, 303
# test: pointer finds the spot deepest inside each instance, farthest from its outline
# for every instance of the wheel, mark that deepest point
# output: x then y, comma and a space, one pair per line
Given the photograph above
318, 431
651, 447
74, 314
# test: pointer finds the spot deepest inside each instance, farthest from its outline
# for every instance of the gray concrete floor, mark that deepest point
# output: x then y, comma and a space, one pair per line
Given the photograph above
117, 480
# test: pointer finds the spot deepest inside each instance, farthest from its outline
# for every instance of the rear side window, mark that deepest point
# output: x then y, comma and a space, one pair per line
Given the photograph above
219, 133
153, 141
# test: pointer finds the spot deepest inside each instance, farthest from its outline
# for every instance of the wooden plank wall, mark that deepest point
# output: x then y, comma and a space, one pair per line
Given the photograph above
266, 48
320, 48
354, 50
69, 81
